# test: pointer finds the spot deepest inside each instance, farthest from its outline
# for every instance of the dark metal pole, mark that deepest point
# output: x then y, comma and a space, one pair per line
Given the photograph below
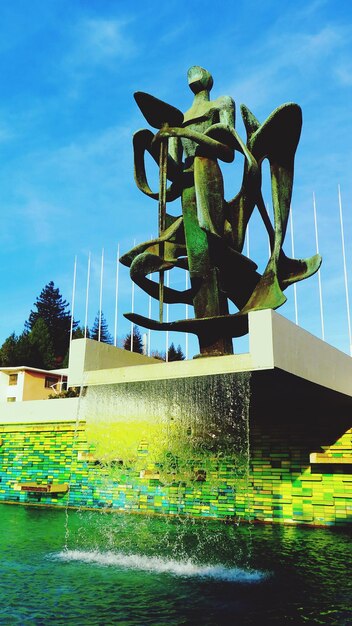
162, 215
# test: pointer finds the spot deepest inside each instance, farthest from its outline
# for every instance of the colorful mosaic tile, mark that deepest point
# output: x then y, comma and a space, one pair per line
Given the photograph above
279, 485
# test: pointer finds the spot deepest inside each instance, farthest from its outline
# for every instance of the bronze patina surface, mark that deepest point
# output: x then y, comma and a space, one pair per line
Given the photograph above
207, 239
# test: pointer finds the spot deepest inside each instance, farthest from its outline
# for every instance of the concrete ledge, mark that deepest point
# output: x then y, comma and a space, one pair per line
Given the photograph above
40, 411
176, 369
275, 343
87, 355
298, 352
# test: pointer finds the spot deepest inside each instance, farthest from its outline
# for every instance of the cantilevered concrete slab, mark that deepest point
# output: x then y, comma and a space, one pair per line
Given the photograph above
274, 344
87, 355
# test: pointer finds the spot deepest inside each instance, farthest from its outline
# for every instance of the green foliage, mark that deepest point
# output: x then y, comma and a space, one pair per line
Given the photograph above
137, 345
80, 334
174, 354
105, 336
32, 348
53, 310
24, 349
40, 345
8, 352
46, 336
71, 392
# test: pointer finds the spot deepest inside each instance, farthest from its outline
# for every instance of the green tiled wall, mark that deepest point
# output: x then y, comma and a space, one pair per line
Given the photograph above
286, 487
279, 485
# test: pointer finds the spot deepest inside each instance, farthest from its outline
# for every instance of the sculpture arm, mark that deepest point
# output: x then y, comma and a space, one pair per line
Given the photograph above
217, 149
175, 150
142, 143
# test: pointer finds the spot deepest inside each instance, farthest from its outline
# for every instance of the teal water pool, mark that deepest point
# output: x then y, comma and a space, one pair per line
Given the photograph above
96, 568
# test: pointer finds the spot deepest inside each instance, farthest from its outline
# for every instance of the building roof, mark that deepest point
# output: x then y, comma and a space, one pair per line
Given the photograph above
19, 368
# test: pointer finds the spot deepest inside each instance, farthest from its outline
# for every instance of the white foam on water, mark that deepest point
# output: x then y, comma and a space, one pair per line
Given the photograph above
161, 565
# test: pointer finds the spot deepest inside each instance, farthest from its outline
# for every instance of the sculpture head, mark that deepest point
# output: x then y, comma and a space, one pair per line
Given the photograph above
199, 79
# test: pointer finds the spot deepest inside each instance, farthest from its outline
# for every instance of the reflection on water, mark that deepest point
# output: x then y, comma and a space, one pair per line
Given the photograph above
135, 570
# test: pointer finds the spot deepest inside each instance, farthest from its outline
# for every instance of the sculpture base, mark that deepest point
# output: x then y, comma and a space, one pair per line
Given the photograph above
263, 436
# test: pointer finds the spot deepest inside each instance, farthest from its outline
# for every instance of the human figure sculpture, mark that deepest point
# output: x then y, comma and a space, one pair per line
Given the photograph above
207, 240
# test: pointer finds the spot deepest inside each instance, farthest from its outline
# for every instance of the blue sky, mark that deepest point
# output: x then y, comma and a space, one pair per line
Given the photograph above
67, 115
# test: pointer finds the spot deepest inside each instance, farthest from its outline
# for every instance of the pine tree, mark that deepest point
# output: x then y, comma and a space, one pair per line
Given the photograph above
54, 311
137, 345
104, 331
23, 351
16, 351
81, 333
33, 349
8, 352
171, 353
179, 353
175, 355
41, 346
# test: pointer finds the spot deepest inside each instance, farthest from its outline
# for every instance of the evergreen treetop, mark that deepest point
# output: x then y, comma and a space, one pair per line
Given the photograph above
137, 342
33, 348
41, 351
105, 336
174, 354
8, 353
46, 336
54, 311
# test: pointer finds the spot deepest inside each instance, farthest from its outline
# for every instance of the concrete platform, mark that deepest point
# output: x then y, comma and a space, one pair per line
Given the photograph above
274, 344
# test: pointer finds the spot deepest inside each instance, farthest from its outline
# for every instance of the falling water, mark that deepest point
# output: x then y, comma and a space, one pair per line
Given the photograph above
190, 435
72, 465
173, 424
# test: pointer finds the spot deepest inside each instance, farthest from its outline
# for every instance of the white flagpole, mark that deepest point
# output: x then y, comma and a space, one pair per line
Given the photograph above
132, 308
293, 256
150, 312
101, 293
73, 296
345, 271
167, 319
319, 276
149, 315
186, 334
116, 293
87, 298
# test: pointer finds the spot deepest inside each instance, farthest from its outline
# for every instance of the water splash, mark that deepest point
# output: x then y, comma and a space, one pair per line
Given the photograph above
161, 565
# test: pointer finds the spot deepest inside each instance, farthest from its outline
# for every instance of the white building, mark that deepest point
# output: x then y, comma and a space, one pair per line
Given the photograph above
30, 383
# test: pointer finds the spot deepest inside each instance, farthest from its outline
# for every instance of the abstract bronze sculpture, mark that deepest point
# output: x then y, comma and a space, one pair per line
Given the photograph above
208, 238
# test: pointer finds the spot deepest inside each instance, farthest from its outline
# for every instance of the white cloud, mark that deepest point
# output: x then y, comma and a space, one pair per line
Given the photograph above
70, 184
172, 35
101, 41
302, 48
40, 217
343, 73
285, 60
